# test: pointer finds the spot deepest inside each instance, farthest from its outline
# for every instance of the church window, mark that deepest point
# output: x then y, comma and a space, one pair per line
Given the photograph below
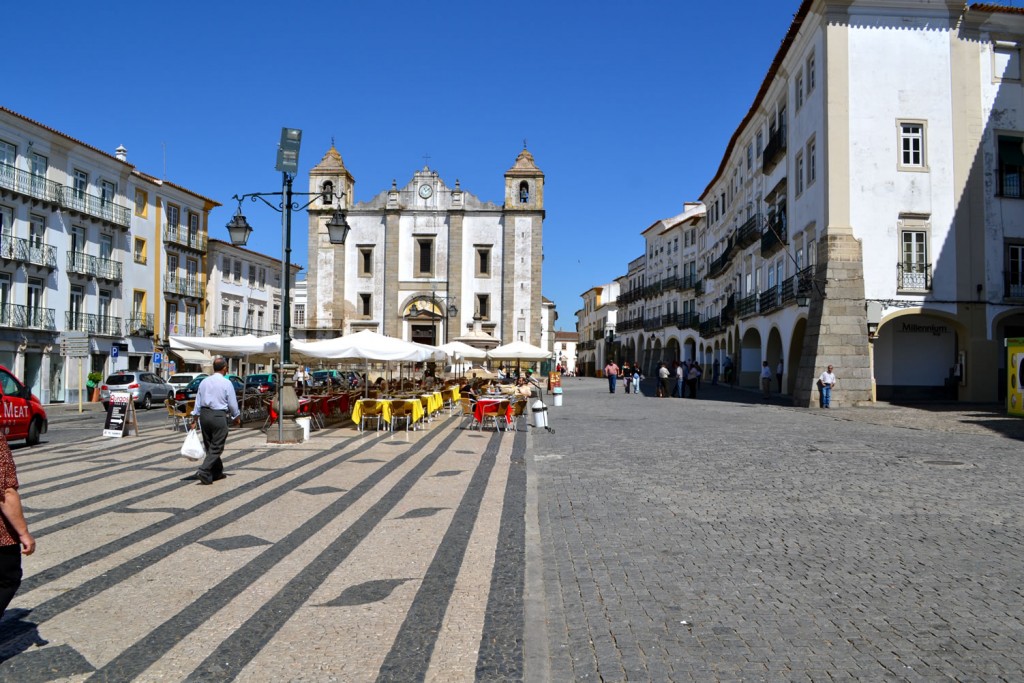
366, 261
424, 256
483, 306
364, 305
483, 261
524, 192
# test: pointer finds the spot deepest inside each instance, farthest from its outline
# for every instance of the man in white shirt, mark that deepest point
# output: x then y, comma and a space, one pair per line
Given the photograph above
766, 380
825, 384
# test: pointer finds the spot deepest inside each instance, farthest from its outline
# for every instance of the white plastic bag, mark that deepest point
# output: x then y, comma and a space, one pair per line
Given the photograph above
193, 446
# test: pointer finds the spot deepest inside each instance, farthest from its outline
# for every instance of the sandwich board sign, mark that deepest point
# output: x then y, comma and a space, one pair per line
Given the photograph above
120, 415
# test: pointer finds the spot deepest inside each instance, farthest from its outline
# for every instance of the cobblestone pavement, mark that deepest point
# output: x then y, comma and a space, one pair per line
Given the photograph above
351, 557
724, 539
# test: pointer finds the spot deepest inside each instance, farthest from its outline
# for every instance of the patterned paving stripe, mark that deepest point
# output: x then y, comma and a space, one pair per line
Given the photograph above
71, 598
38, 517
30, 462
246, 641
409, 657
501, 645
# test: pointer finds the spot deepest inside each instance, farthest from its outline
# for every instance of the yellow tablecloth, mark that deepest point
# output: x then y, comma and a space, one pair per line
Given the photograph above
370, 406
411, 404
432, 402
451, 393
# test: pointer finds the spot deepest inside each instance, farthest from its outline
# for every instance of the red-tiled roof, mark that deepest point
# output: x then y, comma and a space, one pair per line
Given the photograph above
989, 7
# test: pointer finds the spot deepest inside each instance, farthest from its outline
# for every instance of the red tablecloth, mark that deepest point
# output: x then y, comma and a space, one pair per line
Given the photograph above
487, 405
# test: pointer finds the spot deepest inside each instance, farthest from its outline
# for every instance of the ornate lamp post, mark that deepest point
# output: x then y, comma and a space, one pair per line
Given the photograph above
286, 402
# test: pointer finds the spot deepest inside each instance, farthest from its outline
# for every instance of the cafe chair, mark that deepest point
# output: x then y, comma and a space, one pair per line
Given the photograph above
401, 411
372, 413
518, 413
176, 414
467, 413
496, 413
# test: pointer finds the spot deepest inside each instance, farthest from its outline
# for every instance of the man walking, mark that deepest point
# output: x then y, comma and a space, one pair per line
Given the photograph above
680, 377
15, 540
766, 380
611, 371
778, 374
215, 401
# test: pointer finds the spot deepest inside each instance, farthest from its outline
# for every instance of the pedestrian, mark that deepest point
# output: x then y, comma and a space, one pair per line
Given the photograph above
728, 369
300, 380
766, 380
826, 381
716, 368
627, 375
680, 377
611, 371
215, 402
778, 374
663, 375
636, 378
15, 540
693, 378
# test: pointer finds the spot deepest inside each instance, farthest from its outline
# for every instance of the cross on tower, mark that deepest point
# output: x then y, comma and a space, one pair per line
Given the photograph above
426, 161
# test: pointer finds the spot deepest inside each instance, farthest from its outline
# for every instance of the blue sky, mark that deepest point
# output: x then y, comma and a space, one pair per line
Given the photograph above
627, 108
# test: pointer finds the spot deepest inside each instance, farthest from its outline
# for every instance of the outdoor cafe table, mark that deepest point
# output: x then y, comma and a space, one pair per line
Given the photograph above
432, 402
451, 394
413, 405
385, 413
486, 405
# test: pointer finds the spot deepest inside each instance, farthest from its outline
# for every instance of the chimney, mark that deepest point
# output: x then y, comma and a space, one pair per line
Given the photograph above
121, 153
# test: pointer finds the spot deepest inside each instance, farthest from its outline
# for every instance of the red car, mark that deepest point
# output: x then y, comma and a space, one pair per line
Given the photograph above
22, 416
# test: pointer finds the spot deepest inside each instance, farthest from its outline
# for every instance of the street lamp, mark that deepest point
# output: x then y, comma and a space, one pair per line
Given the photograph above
239, 231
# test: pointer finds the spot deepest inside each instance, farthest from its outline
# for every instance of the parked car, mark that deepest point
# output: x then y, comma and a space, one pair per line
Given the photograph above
331, 379
261, 382
190, 391
23, 416
146, 388
181, 380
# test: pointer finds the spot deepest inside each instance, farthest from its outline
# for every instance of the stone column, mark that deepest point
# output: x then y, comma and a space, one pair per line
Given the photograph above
390, 323
836, 325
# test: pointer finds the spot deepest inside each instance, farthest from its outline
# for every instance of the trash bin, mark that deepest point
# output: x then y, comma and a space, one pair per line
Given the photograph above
557, 393
540, 414
304, 423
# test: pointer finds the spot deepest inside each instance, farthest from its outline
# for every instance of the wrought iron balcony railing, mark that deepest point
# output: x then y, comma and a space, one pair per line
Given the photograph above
769, 299
914, 276
1013, 285
181, 235
29, 184
789, 287
23, 317
139, 324
39, 187
747, 306
191, 287
774, 235
688, 319
237, 330
108, 269
21, 249
749, 232
106, 325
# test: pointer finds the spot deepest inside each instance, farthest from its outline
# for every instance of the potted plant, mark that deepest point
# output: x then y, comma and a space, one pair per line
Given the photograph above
93, 384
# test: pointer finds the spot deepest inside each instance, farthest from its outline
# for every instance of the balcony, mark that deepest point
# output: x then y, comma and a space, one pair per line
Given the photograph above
29, 184
107, 269
750, 232
789, 289
105, 325
688, 320
237, 331
774, 236
720, 264
181, 286
23, 251
38, 187
728, 313
711, 326
774, 150
139, 324
916, 277
747, 306
23, 317
770, 299
182, 236
98, 207
81, 263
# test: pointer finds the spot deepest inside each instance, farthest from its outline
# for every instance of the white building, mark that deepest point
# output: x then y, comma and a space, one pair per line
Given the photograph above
877, 178
595, 327
422, 260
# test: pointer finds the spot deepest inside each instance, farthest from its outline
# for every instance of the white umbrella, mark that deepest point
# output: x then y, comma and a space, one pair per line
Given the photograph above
463, 350
367, 345
518, 350
244, 345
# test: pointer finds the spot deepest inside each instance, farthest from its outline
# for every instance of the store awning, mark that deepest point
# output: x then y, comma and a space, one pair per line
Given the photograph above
188, 356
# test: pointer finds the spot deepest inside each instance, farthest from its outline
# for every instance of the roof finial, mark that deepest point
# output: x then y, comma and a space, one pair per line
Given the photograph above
332, 141
524, 143
426, 162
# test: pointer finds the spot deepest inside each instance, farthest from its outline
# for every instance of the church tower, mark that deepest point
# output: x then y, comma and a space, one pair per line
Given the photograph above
523, 251
325, 304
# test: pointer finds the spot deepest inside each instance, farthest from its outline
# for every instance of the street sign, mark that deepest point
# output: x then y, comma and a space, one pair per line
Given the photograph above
113, 352
158, 358
75, 345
